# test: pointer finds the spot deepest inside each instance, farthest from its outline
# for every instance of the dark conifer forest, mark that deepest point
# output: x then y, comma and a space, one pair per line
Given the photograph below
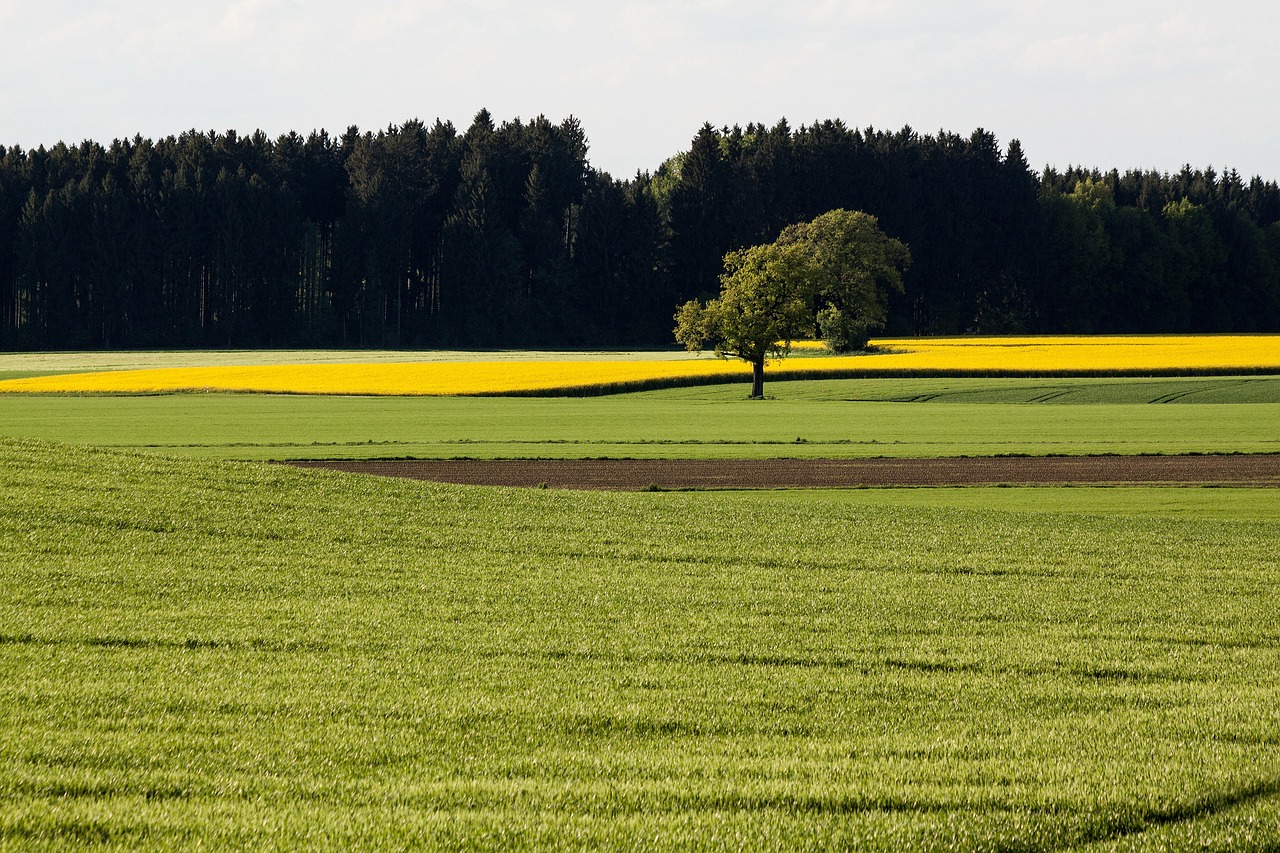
421, 236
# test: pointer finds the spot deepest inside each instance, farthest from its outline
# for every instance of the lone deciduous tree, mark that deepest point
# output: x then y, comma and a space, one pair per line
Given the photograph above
832, 272
763, 305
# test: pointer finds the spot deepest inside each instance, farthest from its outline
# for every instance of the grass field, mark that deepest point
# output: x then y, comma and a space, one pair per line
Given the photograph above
834, 418
200, 652
1061, 390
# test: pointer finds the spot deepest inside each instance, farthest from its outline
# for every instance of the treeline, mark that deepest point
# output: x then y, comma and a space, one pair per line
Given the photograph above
415, 236
424, 236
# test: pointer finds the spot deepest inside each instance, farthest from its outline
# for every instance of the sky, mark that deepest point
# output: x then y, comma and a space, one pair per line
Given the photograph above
1149, 84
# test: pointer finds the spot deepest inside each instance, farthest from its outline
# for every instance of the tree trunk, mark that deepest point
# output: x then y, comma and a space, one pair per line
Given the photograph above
757, 380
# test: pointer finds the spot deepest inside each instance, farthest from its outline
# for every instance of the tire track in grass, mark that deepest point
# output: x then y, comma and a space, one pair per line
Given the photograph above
641, 474
1175, 816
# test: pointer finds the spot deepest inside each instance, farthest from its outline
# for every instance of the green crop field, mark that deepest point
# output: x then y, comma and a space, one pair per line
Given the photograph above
239, 655
806, 419
205, 652
1062, 391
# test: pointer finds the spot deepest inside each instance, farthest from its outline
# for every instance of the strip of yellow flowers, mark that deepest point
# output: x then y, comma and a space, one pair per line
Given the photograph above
896, 357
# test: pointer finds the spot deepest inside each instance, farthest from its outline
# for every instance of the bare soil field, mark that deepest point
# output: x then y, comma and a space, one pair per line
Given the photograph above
638, 474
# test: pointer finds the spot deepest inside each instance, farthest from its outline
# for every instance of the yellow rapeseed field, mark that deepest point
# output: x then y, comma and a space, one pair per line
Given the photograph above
406, 378
1086, 354
971, 355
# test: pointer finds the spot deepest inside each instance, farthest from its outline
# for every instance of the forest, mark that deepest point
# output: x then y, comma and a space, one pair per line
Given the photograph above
504, 235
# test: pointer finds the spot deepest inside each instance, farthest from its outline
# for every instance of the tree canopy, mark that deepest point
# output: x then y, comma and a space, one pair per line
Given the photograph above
424, 235
854, 266
832, 271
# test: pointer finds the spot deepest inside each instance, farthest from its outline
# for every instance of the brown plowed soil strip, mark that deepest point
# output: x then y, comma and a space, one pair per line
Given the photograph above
632, 474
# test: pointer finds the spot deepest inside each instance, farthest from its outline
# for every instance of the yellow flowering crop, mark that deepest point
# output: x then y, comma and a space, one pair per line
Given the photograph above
420, 378
1028, 355
1085, 354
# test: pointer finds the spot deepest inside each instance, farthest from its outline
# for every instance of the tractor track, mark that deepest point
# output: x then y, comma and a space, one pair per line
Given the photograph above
638, 474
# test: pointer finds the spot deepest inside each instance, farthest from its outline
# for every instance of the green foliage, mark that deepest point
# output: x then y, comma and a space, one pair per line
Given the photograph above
855, 266
1094, 195
762, 306
840, 262
420, 235
843, 331
245, 656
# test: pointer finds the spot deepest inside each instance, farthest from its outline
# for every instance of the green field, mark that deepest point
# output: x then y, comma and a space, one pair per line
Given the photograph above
238, 655
806, 419
1062, 391
205, 652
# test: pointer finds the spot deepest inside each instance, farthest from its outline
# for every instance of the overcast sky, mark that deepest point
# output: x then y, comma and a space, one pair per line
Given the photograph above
1124, 83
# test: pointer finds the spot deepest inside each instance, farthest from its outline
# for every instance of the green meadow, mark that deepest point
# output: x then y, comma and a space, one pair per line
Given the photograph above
200, 652
199, 649
805, 419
